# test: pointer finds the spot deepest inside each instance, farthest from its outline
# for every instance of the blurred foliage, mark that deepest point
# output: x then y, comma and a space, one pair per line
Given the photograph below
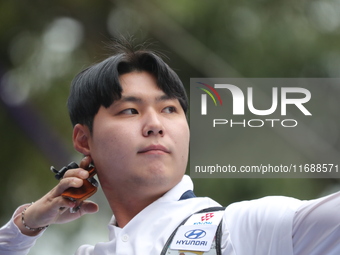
44, 44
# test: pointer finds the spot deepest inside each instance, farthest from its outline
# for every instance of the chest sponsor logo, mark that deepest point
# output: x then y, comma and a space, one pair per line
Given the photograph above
205, 219
195, 234
191, 238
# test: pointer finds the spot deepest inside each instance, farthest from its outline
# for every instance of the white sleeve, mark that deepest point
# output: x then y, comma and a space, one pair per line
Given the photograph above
12, 241
259, 227
316, 227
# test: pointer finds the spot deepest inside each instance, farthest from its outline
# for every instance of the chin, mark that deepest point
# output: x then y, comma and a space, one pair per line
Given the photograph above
157, 179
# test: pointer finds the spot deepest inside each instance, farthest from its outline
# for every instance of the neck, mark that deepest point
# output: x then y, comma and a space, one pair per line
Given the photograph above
125, 207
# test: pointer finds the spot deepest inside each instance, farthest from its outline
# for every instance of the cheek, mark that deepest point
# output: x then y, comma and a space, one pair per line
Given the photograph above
182, 137
185, 131
110, 143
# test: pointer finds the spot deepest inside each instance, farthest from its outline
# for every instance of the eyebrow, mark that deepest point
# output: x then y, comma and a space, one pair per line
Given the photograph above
135, 99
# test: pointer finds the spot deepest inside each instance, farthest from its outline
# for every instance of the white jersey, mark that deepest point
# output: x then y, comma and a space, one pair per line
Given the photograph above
266, 226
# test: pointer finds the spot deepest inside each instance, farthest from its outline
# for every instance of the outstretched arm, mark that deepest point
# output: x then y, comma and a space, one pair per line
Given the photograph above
316, 228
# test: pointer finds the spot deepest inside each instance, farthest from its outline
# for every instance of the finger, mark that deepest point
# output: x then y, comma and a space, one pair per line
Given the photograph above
77, 172
85, 162
65, 183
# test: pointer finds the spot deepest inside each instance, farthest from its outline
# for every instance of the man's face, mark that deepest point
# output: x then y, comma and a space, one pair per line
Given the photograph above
142, 139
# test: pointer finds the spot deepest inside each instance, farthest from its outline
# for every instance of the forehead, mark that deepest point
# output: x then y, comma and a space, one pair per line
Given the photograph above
140, 84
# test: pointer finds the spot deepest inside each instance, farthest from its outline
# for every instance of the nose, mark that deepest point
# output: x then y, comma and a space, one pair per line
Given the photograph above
152, 125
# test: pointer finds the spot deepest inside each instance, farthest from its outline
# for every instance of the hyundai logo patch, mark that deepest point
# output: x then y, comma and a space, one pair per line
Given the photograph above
191, 238
195, 234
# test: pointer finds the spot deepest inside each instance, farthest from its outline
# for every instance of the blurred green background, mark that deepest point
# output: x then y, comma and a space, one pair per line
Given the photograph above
45, 43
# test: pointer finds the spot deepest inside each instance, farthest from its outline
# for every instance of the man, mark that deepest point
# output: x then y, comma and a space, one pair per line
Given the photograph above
129, 117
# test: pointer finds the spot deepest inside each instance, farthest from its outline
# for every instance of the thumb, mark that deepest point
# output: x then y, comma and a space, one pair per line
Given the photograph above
86, 207
89, 207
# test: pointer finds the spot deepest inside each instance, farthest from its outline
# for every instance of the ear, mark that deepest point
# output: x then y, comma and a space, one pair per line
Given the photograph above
81, 136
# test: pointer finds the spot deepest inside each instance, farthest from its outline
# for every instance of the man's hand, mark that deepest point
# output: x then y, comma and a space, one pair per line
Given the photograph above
53, 208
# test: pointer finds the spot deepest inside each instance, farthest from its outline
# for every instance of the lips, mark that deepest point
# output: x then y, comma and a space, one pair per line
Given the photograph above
155, 148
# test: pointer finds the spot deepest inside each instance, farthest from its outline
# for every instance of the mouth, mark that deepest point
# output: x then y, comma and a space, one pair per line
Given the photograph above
154, 149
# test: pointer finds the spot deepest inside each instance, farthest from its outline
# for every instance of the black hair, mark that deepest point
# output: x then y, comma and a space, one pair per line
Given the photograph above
99, 85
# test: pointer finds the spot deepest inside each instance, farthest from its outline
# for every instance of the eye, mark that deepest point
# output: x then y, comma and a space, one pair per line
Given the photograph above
129, 111
169, 109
